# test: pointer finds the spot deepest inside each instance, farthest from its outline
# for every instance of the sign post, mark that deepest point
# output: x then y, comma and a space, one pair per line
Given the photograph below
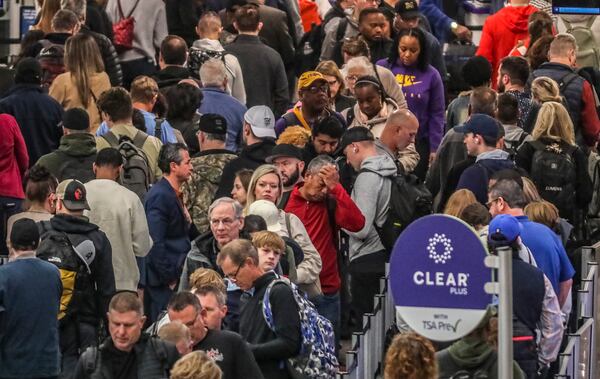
437, 277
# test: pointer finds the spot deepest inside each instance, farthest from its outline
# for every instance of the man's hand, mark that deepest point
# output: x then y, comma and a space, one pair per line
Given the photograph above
330, 176
431, 157
463, 33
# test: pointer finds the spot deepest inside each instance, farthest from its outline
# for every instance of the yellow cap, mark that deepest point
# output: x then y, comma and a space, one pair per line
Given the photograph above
308, 78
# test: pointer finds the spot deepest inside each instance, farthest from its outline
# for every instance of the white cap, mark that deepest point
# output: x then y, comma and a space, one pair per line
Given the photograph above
268, 211
261, 120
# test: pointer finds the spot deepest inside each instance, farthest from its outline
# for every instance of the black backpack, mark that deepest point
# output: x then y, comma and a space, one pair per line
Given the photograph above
308, 52
80, 168
409, 200
197, 57
136, 174
73, 259
553, 171
512, 146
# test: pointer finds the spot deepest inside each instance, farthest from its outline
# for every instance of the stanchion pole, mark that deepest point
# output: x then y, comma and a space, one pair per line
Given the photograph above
505, 314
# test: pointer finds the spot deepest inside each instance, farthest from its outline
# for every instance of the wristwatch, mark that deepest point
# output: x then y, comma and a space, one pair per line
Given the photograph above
453, 26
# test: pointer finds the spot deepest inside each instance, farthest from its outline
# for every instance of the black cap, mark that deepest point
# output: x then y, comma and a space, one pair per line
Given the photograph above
213, 123
76, 119
24, 234
73, 194
356, 134
407, 9
28, 71
284, 150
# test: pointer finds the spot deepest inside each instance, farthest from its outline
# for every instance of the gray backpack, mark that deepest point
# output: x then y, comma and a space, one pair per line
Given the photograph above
588, 51
136, 174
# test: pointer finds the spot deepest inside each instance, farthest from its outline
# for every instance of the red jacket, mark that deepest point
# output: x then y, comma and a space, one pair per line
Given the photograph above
315, 218
501, 32
14, 159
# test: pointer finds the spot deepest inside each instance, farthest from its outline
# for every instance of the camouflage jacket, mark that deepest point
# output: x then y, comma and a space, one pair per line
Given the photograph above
200, 189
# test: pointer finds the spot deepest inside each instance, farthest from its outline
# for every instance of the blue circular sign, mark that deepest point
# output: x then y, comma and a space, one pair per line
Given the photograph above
437, 277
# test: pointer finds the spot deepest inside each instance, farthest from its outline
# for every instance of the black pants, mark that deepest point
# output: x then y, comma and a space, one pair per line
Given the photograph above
135, 68
365, 273
422, 146
73, 343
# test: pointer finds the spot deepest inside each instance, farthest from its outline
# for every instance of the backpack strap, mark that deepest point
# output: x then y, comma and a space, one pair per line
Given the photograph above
121, 14
140, 139
524, 135
90, 359
589, 24
350, 116
341, 29
566, 80
111, 138
158, 121
288, 224
538, 145
569, 25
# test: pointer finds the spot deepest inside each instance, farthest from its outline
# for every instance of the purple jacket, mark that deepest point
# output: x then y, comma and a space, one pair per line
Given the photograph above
424, 92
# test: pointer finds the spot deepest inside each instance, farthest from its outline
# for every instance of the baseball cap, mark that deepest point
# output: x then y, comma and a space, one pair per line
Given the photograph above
28, 71
213, 123
261, 120
284, 150
407, 8
481, 124
503, 230
309, 77
356, 134
76, 119
268, 211
25, 234
73, 195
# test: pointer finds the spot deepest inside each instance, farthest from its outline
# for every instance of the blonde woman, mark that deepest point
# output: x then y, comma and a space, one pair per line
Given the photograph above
458, 201
543, 89
49, 9
265, 184
85, 79
556, 165
196, 365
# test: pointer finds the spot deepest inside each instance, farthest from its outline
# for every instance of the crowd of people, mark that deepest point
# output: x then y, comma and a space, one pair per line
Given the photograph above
213, 189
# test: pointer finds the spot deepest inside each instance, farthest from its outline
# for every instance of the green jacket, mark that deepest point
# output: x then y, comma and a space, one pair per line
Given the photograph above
471, 354
73, 159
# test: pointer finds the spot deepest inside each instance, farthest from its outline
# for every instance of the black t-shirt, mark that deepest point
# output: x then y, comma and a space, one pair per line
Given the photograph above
122, 364
231, 353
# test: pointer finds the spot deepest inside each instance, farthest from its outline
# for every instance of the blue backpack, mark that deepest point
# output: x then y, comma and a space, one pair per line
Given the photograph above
317, 358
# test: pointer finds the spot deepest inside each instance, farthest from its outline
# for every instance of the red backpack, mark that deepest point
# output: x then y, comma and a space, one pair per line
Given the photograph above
123, 30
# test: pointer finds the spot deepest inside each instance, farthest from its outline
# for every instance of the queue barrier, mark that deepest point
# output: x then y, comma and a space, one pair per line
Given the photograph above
579, 359
366, 355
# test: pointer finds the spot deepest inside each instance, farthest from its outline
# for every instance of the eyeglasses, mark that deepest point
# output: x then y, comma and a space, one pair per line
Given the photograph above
489, 203
225, 222
351, 78
233, 277
316, 89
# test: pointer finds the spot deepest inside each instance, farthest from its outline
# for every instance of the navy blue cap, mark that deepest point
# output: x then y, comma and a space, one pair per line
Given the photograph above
481, 124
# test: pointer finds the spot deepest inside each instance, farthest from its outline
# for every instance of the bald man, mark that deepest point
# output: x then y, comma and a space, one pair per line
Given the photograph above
398, 139
209, 29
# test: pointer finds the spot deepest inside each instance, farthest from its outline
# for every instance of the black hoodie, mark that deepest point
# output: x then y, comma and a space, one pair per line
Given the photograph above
94, 305
251, 157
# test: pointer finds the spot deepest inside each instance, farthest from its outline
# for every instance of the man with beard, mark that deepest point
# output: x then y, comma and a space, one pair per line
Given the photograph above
288, 160
313, 93
373, 27
512, 78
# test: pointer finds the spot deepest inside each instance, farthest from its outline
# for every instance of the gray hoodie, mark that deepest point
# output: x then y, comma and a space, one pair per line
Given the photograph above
371, 193
235, 79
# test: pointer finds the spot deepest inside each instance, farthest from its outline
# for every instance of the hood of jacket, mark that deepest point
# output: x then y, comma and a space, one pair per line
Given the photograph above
516, 19
78, 145
390, 107
72, 224
258, 151
381, 164
208, 44
470, 352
